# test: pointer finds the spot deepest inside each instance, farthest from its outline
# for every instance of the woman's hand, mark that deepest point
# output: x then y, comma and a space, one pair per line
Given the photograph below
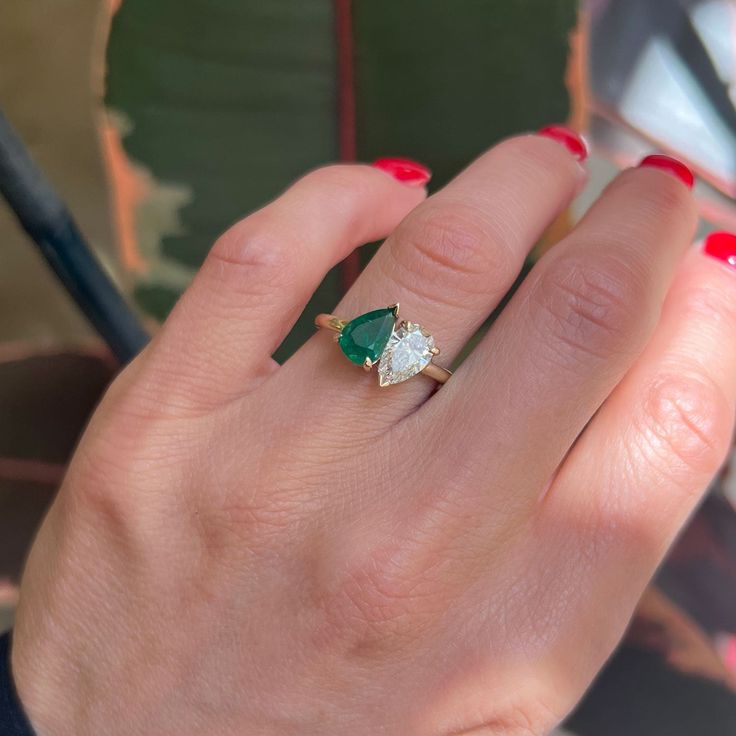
242, 548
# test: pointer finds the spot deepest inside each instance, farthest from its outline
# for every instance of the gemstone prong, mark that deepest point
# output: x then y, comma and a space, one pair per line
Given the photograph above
367, 365
395, 309
435, 351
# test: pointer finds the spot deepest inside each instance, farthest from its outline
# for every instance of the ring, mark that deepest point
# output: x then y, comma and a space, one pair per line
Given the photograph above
401, 349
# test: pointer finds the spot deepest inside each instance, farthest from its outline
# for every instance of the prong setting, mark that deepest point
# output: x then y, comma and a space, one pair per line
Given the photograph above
400, 349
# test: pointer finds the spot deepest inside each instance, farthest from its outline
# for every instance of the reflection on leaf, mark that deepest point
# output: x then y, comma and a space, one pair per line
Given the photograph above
147, 211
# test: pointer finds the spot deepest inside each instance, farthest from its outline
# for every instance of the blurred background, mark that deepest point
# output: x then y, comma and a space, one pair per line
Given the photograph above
133, 132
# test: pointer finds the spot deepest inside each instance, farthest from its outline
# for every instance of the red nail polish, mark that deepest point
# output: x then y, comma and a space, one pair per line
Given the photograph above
405, 170
722, 246
670, 165
569, 138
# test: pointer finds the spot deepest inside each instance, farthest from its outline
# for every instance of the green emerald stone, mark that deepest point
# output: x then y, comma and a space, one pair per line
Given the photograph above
366, 336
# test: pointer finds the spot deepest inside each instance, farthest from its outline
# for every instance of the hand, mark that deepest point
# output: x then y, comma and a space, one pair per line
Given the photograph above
242, 548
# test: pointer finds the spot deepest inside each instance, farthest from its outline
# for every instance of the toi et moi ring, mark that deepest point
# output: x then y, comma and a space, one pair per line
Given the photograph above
401, 349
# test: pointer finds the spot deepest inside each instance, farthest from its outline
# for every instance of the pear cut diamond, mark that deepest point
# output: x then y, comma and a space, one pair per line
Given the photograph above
408, 352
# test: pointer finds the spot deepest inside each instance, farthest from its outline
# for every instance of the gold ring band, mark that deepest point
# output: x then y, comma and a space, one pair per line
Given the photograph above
401, 349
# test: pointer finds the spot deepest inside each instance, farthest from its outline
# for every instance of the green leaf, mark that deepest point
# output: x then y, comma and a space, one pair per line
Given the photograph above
442, 81
230, 100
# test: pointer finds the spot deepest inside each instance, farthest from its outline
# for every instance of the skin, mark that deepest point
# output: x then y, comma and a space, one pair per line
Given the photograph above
243, 548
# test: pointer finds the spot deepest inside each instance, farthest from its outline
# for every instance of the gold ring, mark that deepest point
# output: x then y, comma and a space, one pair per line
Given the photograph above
401, 349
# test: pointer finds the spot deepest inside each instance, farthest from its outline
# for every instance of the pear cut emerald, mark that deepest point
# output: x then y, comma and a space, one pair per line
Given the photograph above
366, 336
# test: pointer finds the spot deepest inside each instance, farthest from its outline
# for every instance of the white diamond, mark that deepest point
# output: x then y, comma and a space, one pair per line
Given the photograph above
408, 352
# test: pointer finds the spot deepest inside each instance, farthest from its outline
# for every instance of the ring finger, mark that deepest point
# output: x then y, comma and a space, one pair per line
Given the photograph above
453, 258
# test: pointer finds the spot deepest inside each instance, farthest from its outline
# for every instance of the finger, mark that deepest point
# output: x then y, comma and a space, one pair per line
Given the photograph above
641, 466
571, 332
259, 275
451, 261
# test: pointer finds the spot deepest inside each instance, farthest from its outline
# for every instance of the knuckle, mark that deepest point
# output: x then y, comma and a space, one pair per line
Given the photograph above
252, 256
331, 176
248, 517
687, 420
132, 432
111, 479
343, 187
589, 309
132, 444
376, 610
242, 527
452, 243
666, 201
660, 212
536, 156
528, 719
711, 306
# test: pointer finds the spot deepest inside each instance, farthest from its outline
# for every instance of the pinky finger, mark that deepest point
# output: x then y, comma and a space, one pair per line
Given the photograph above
642, 465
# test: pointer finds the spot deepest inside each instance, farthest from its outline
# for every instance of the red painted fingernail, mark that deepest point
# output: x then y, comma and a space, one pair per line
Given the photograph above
670, 165
574, 142
408, 172
722, 246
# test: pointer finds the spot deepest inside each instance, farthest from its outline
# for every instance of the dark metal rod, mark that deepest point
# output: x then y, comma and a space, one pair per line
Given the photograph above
49, 223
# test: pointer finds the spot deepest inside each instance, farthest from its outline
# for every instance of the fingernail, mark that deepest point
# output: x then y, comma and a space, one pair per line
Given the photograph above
722, 246
408, 172
574, 142
670, 165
